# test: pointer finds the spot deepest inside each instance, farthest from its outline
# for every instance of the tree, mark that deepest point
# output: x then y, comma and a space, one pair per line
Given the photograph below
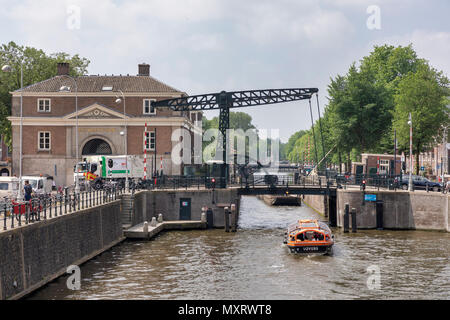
424, 95
289, 146
361, 103
37, 66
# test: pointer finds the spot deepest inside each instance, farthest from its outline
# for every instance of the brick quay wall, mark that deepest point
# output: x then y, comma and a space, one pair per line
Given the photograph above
35, 254
402, 210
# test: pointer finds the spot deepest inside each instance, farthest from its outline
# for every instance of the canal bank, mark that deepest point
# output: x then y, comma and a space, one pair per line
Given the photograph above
35, 254
401, 210
253, 264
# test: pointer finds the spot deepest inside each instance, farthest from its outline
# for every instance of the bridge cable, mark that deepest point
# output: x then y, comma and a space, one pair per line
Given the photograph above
312, 127
321, 131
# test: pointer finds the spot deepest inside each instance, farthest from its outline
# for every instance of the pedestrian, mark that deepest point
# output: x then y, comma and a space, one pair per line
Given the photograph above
28, 190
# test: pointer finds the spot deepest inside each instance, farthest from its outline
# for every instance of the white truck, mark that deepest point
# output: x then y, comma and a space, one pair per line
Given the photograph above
39, 184
9, 187
99, 169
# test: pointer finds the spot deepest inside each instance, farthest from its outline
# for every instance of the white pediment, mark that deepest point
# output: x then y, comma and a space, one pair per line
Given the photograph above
96, 111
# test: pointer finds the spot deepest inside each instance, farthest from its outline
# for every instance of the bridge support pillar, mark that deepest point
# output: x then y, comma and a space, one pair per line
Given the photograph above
346, 218
326, 205
233, 218
227, 219
354, 225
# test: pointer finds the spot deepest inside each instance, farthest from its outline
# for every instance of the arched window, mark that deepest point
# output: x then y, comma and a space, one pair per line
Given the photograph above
96, 147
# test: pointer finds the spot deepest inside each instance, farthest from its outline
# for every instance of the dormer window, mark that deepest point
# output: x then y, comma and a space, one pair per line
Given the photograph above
44, 105
148, 109
107, 88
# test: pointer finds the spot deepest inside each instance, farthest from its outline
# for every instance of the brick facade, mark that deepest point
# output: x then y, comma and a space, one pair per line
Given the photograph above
5, 165
99, 116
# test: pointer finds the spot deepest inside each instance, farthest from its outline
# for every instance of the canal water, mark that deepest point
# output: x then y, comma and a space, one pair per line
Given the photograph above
253, 264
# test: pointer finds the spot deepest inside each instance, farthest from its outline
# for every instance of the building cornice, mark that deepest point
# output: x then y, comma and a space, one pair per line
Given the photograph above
99, 94
133, 122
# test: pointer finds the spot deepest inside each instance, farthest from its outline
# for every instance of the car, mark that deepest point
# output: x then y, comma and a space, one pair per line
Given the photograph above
420, 183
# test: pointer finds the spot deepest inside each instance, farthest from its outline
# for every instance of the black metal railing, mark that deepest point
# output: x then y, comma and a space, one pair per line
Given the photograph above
43, 207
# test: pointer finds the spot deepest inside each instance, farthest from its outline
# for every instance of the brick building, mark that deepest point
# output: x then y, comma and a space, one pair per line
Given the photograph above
50, 122
382, 164
5, 158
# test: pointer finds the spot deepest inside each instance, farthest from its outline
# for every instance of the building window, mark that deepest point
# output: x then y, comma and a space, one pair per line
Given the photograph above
148, 108
384, 166
44, 140
149, 141
44, 105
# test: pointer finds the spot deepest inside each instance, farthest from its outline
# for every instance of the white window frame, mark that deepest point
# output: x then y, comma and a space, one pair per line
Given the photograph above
384, 166
44, 143
49, 105
151, 135
150, 107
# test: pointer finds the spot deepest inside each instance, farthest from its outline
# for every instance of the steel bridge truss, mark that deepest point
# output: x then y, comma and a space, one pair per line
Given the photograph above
224, 101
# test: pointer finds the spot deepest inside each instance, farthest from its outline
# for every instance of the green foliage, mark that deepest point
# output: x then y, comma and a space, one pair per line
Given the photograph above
372, 99
37, 66
289, 146
424, 95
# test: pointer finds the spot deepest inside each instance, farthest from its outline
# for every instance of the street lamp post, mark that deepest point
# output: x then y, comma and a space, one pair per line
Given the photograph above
7, 68
410, 187
118, 100
67, 89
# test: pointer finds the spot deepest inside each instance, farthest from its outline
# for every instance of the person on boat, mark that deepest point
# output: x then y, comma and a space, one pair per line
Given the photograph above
300, 237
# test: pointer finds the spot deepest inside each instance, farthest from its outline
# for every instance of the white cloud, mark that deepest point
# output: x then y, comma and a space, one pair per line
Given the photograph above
201, 46
272, 22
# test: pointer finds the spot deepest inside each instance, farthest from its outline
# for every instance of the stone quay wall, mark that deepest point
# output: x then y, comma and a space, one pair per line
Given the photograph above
402, 210
35, 254
149, 204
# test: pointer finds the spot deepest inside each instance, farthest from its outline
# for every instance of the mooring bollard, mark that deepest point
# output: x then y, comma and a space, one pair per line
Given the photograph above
203, 217
160, 218
153, 223
227, 219
346, 218
210, 218
354, 226
145, 229
233, 218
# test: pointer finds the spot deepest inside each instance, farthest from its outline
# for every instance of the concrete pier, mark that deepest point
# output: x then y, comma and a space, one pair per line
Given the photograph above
145, 232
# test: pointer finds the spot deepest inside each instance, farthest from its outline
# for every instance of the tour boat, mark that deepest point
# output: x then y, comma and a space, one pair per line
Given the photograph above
310, 237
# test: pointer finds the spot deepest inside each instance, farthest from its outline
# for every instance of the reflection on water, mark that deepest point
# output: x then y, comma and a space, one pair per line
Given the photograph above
254, 264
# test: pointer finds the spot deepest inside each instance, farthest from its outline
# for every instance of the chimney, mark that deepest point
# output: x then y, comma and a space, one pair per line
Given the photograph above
144, 70
63, 68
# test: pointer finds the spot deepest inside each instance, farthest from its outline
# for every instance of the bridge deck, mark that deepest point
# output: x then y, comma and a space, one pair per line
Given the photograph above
282, 190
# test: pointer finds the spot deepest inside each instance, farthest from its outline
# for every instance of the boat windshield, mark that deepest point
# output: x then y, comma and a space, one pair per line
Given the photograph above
324, 226
308, 225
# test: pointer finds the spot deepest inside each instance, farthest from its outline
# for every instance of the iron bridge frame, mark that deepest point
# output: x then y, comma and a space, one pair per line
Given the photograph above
224, 101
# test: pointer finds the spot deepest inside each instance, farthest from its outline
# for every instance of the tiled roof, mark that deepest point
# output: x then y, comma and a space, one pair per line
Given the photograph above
95, 83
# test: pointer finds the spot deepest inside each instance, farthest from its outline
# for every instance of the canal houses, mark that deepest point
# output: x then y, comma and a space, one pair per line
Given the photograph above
95, 115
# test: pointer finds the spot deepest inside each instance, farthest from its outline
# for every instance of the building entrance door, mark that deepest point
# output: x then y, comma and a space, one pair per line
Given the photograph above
96, 147
185, 208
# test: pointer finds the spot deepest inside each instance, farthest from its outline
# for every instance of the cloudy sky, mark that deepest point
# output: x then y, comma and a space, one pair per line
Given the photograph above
204, 46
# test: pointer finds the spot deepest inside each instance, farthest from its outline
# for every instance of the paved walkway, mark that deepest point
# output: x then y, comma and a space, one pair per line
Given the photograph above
57, 209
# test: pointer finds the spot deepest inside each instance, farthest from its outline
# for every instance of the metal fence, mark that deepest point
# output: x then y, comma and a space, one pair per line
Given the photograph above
42, 207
